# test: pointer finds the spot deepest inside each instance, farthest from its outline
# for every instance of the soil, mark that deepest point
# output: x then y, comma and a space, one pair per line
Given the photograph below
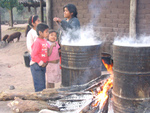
13, 71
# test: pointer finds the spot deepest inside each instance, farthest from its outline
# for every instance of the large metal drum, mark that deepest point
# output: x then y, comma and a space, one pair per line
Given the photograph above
131, 80
80, 64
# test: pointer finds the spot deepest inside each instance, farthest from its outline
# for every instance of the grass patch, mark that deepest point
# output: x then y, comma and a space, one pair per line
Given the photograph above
19, 29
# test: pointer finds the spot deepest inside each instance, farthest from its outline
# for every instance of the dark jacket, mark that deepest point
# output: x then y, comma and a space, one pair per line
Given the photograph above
72, 27
73, 23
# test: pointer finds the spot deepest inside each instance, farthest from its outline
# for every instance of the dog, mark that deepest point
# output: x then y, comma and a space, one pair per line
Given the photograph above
13, 36
5, 38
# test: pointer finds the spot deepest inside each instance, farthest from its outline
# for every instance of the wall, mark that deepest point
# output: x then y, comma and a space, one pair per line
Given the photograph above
143, 17
109, 17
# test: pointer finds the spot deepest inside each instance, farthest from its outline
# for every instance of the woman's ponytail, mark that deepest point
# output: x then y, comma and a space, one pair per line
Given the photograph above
27, 30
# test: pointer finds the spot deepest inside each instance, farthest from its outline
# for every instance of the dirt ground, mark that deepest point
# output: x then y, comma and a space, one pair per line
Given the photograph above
13, 71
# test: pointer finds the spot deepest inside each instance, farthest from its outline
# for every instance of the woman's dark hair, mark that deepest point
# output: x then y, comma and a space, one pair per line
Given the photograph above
72, 9
31, 20
41, 27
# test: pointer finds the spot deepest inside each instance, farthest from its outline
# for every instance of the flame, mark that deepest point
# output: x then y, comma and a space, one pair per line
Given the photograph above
102, 95
108, 67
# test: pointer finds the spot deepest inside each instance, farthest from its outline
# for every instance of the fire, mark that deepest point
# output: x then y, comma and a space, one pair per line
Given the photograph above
108, 67
102, 96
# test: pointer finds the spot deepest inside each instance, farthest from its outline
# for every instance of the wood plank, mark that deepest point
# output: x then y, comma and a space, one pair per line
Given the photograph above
133, 14
49, 16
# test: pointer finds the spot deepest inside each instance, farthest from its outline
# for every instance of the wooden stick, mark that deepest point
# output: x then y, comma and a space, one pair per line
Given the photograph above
85, 87
133, 11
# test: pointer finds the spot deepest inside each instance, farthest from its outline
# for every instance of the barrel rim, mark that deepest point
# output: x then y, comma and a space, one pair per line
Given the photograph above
81, 45
132, 46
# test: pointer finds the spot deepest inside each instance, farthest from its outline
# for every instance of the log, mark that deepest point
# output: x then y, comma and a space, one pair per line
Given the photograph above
43, 95
20, 106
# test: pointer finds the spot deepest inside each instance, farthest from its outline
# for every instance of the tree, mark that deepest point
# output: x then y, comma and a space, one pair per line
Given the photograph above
0, 23
9, 5
49, 13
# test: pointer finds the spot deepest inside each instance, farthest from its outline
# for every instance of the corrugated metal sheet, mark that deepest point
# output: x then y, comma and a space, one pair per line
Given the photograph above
26, 1
31, 3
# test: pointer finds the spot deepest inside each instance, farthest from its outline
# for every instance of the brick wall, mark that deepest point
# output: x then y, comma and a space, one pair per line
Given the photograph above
109, 17
143, 17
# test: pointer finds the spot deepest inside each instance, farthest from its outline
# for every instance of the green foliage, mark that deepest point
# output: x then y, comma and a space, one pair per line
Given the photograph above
10, 4
20, 7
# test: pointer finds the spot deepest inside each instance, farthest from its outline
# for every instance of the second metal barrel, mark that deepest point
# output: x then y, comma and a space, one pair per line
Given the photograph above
131, 80
80, 64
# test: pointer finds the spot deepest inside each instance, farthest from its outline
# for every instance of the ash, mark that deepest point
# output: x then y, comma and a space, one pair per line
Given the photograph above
72, 102
78, 97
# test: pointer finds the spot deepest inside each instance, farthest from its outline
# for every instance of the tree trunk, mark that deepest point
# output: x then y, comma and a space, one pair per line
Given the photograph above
11, 17
41, 10
35, 10
0, 25
49, 13
133, 10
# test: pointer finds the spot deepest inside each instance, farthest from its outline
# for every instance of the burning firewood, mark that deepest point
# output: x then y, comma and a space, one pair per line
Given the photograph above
59, 100
86, 87
53, 93
20, 106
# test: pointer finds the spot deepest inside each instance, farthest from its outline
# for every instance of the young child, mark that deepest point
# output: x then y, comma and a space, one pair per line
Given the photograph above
53, 72
71, 21
39, 57
30, 31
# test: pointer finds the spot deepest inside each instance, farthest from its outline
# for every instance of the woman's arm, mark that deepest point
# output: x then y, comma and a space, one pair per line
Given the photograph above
72, 24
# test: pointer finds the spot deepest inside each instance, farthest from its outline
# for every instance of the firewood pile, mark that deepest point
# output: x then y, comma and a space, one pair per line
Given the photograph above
74, 99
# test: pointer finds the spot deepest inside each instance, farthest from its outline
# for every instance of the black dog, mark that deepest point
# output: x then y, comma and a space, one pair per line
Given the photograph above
5, 37
13, 36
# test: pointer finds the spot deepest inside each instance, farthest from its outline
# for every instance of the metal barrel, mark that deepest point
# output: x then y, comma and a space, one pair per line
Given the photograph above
131, 80
80, 64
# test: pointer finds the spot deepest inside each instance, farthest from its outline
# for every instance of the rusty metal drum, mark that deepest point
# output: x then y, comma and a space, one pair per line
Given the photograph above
80, 64
131, 80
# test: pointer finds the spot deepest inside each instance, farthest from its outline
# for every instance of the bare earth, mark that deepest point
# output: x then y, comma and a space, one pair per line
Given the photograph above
12, 68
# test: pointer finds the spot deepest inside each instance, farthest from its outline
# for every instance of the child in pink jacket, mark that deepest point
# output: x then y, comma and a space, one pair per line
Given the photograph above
53, 72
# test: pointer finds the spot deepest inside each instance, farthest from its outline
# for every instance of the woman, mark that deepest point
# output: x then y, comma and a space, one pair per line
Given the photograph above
71, 22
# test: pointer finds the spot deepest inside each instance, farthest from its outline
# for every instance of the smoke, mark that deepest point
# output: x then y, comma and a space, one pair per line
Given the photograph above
94, 11
86, 35
82, 37
129, 41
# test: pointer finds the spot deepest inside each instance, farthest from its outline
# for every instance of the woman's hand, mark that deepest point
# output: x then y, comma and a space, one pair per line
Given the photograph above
56, 19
